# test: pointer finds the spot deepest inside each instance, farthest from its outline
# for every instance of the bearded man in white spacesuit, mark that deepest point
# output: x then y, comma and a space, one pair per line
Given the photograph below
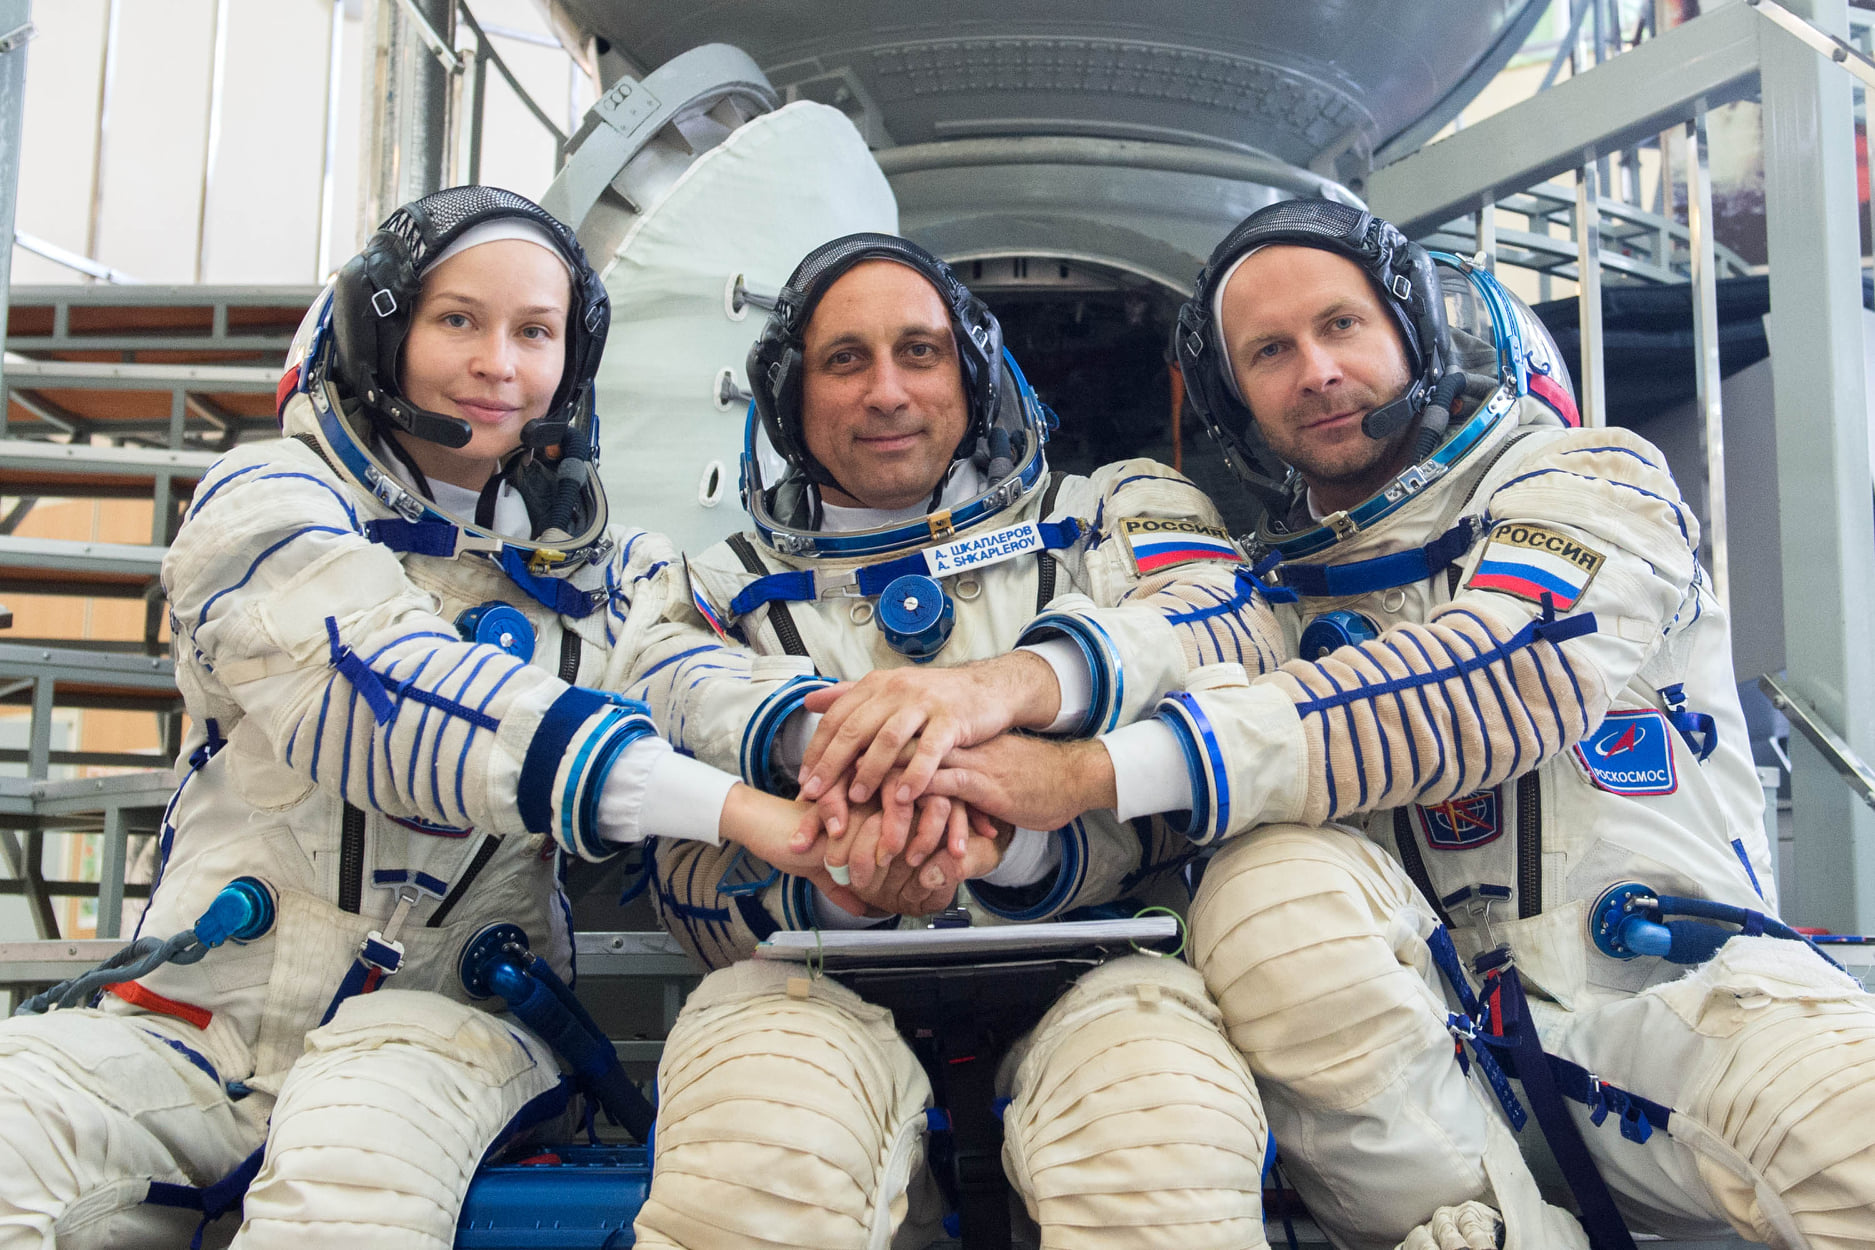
1504, 794
388, 629
906, 526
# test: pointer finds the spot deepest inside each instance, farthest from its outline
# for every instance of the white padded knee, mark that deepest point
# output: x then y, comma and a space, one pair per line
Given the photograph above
94, 1109
379, 1127
1133, 1121
787, 1119
1311, 940
1782, 1117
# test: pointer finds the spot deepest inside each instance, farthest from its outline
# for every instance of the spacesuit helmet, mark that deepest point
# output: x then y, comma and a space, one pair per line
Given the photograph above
565, 500
1459, 327
375, 295
1004, 431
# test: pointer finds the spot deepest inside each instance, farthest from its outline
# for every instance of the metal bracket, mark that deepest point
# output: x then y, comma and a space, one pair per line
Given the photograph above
1837, 50
435, 42
1840, 755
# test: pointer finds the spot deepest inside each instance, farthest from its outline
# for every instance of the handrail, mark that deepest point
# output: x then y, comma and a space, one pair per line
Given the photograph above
72, 260
1839, 51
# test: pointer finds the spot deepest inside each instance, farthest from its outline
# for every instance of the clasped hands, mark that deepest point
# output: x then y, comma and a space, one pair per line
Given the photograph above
918, 782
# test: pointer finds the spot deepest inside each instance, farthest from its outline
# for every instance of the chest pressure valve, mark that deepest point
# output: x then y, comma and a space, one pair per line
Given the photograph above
1333, 630
916, 616
499, 625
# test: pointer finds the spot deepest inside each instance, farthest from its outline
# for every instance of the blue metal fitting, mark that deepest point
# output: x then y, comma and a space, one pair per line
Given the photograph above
487, 952
500, 625
916, 616
1333, 630
1619, 928
243, 911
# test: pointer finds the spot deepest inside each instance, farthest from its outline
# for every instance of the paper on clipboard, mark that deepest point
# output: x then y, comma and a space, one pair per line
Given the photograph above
860, 946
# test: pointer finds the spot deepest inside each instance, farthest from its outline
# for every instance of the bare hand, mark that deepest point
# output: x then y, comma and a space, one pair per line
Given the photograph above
1032, 783
866, 724
899, 889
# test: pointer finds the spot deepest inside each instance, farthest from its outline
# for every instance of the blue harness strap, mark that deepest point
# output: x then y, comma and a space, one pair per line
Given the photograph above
441, 539
1402, 568
800, 585
213, 1201
421, 538
1699, 730
555, 593
1513, 1031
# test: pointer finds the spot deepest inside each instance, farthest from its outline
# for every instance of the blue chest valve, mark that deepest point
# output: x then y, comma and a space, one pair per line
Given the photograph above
497, 961
916, 616
1333, 630
500, 625
1630, 920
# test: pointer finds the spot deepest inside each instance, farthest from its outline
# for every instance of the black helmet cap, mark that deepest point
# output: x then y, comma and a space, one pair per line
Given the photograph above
1401, 271
375, 296
775, 360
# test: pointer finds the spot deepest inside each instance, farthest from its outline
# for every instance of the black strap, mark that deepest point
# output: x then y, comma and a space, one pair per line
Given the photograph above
352, 860
483, 853
1529, 846
1046, 565
1406, 842
778, 614
569, 657
485, 501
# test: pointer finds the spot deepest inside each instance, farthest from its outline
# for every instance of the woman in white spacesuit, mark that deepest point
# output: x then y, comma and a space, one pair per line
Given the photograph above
1504, 794
392, 628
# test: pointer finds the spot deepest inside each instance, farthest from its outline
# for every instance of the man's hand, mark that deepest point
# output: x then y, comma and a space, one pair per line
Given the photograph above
864, 853
867, 723
1032, 783
897, 888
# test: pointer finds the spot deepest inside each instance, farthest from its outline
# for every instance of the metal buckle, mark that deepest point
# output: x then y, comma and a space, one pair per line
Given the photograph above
939, 523
845, 583
1342, 524
468, 541
389, 492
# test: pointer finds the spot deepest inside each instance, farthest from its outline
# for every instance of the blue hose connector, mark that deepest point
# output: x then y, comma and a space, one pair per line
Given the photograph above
243, 911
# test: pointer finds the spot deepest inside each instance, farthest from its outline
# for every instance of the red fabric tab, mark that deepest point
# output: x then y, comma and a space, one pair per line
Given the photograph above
289, 382
137, 996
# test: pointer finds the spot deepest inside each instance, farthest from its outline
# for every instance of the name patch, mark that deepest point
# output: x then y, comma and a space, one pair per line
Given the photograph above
981, 549
1464, 822
1156, 543
1631, 753
1530, 561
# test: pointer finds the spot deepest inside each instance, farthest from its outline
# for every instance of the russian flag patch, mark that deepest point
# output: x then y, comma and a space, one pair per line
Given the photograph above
1157, 543
1530, 561
702, 605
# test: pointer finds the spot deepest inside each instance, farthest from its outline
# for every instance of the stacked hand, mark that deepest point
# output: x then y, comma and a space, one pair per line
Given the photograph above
940, 781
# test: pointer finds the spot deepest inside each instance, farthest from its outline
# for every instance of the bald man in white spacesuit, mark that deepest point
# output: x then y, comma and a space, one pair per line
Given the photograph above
915, 520
1506, 767
388, 625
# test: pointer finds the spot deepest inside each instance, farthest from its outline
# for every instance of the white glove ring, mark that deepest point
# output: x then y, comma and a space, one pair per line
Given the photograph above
841, 874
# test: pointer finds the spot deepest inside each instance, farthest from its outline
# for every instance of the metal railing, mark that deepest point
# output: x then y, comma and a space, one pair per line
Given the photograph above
1589, 126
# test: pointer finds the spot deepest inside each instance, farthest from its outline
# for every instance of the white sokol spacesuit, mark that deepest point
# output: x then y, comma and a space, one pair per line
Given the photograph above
800, 1119
1514, 695
397, 781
